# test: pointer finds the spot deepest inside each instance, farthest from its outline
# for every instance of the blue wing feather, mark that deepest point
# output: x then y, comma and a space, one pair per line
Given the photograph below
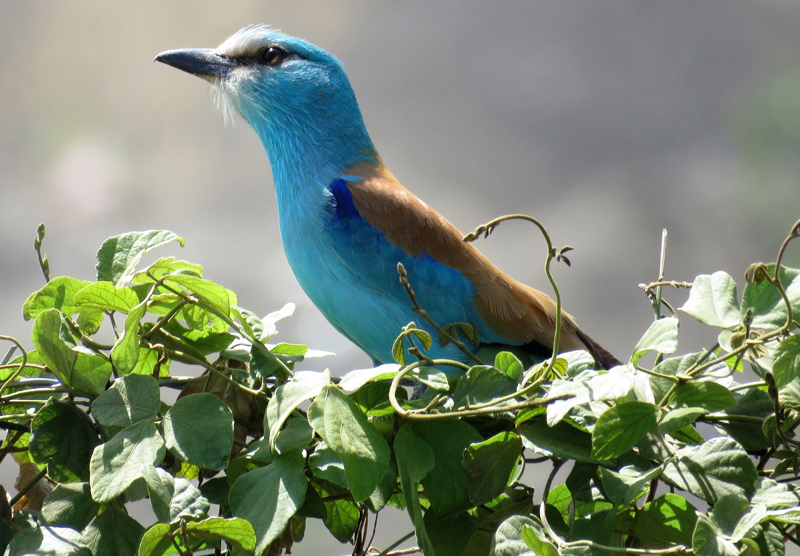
444, 292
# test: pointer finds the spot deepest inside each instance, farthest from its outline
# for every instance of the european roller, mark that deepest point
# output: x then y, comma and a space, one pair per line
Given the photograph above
346, 221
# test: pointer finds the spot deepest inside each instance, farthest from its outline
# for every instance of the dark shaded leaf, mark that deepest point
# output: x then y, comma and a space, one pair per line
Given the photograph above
199, 428
620, 427
490, 464
356, 441
269, 496
62, 436
113, 533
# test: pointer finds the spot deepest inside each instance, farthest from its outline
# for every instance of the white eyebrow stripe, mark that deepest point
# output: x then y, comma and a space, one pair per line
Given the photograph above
245, 42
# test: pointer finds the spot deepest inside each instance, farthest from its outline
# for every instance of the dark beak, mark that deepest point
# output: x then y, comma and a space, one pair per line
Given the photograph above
202, 62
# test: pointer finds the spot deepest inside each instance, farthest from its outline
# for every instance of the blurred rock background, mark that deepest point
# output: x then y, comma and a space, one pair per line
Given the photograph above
607, 119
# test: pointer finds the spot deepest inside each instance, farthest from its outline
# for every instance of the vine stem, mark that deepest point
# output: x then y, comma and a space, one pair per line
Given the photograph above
467, 412
661, 269
227, 320
543, 504
402, 539
24, 490
22, 364
776, 280
417, 308
489, 227
673, 550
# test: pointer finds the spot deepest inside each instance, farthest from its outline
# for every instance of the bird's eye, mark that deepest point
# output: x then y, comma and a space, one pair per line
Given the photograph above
273, 55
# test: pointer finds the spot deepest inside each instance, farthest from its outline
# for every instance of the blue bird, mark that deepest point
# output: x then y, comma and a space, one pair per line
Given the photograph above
346, 221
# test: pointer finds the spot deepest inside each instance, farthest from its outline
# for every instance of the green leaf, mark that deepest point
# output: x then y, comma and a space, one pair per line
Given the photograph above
410, 330
373, 398
296, 434
619, 428
590, 386
508, 540
753, 403
130, 399
451, 535
203, 342
676, 419
535, 537
766, 539
786, 363
303, 386
340, 513
348, 432
766, 303
562, 440
125, 353
325, 464
480, 384
91, 371
173, 498
662, 336
268, 323
666, 520
89, 321
71, 505
431, 377
121, 460
509, 364
772, 494
119, 255
727, 510
710, 396
414, 461
490, 464
268, 496
45, 540
678, 366
199, 429
354, 380
626, 485
62, 436
447, 485
149, 363
49, 340
156, 541
385, 491
59, 293
713, 469
748, 522
167, 265
707, 540
469, 331
113, 533
713, 300
104, 296
235, 531
215, 295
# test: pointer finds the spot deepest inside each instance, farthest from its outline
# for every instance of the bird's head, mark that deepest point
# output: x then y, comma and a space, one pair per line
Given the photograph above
293, 93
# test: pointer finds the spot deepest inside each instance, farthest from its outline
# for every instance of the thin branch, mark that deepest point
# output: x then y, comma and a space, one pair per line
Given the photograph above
417, 308
24, 490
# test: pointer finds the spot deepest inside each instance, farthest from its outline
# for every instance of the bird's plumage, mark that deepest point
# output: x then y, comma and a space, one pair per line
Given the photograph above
346, 221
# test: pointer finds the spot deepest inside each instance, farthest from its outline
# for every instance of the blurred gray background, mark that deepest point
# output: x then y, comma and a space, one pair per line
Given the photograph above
607, 119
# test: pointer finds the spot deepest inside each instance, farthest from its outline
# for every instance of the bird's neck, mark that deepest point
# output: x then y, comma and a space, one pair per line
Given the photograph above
308, 149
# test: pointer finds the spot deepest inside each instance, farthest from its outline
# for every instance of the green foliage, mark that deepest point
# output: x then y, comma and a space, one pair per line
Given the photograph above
265, 446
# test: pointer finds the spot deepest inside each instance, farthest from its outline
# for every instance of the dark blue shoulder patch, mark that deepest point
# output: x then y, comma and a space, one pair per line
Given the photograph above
344, 210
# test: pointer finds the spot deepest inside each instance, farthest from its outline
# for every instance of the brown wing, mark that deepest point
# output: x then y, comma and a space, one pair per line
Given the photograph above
515, 311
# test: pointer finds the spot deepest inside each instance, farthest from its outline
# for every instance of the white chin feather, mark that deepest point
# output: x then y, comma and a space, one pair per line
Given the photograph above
225, 99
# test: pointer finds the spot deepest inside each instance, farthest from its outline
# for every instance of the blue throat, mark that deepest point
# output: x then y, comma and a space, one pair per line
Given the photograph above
311, 145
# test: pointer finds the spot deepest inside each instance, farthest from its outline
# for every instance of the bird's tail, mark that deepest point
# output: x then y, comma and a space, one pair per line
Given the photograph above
601, 356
